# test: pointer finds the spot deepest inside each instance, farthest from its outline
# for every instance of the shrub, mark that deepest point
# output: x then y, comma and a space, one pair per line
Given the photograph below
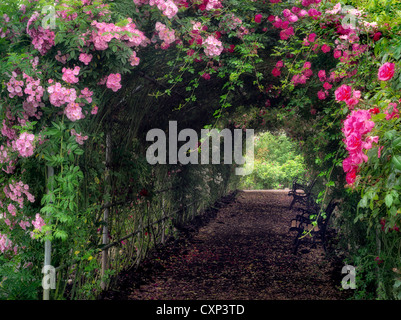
277, 163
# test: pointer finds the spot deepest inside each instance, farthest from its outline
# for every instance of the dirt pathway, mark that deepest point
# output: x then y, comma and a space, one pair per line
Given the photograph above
243, 253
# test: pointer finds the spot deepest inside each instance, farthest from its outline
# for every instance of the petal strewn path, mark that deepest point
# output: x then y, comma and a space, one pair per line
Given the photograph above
243, 253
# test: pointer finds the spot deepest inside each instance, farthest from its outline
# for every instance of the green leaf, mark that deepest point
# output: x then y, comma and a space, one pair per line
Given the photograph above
397, 283
390, 134
78, 151
53, 132
60, 234
388, 200
363, 202
379, 116
234, 77
396, 144
396, 161
330, 184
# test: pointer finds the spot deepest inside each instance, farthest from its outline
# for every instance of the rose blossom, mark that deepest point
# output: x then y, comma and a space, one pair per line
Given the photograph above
24, 144
386, 71
69, 75
343, 93
325, 48
321, 95
276, 72
38, 223
73, 111
85, 58
327, 86
113, 81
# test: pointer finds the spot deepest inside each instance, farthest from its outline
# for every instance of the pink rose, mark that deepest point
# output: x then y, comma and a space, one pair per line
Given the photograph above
386, 71
308, 73
85, 58
38, 223
321, 95
369, 140
312, 37
351, 176
293, 18
337, 54
327, 86
69, 75
343, 93
347, 165
134, 60
325, 48
302, 13
258, 18
286, 33
377, 36
206, 76
322, 75
392, 111
352, 102
353, 142
286, 13
73, 111
113, 81
276, 72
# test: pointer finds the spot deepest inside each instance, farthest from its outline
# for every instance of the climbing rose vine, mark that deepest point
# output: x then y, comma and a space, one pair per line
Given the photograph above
55, 83
56, 80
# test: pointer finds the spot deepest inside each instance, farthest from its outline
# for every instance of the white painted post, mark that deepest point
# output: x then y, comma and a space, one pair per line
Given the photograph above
48, 245
106, 210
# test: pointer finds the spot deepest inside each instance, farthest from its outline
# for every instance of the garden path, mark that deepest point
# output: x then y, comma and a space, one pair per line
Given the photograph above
243, 252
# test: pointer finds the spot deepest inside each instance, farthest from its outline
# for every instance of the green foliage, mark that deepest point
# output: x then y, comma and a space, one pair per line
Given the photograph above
277, 163
372, 202
19, 279
169, 84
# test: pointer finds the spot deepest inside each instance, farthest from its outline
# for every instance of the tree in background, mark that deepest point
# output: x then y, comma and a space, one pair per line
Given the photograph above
277, 163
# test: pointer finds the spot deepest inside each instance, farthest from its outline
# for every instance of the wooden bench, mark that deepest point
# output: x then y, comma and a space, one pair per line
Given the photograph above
303, 223
302, 192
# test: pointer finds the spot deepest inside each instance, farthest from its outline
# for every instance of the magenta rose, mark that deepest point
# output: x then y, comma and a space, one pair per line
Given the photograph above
351, 176
343, 93
353, 142
377, 36
276, 72
386, 71
347, 164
